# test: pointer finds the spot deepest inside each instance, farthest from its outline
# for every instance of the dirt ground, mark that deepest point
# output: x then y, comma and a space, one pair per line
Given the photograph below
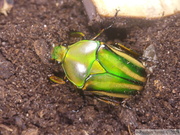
30, 104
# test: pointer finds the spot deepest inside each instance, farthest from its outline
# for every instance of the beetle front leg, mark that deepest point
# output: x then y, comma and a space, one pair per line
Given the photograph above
57, 79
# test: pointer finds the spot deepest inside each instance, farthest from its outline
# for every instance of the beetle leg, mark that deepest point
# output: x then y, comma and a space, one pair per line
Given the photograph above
116, 95
128, 50
102, 31
99, 33
77, 34
56, 79
120, 47
115, 16
108, 101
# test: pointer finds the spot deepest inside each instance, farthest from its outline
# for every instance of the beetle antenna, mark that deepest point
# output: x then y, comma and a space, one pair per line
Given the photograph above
115, 17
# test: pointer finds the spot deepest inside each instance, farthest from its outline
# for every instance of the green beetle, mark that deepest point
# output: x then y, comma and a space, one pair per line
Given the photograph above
99, 68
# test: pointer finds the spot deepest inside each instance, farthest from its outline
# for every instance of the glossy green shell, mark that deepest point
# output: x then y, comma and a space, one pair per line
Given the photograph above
102, 69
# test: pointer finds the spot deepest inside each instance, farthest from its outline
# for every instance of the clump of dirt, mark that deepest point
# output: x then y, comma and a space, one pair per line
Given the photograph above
31, 104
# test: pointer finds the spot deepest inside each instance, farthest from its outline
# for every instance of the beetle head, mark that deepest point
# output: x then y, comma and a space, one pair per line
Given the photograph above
58, 53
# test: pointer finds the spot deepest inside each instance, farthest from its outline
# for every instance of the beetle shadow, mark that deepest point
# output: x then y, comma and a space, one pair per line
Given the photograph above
116, 33
59, 74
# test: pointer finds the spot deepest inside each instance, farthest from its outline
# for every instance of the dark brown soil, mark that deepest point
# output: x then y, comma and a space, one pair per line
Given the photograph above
31, 104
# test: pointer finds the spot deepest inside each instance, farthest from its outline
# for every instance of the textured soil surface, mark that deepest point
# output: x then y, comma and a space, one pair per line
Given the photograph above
30, 104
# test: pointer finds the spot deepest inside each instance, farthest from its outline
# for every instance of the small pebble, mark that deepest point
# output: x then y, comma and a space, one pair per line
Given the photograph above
5, 6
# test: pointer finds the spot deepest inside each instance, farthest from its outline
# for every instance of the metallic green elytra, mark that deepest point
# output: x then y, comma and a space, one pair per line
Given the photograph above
99, 68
